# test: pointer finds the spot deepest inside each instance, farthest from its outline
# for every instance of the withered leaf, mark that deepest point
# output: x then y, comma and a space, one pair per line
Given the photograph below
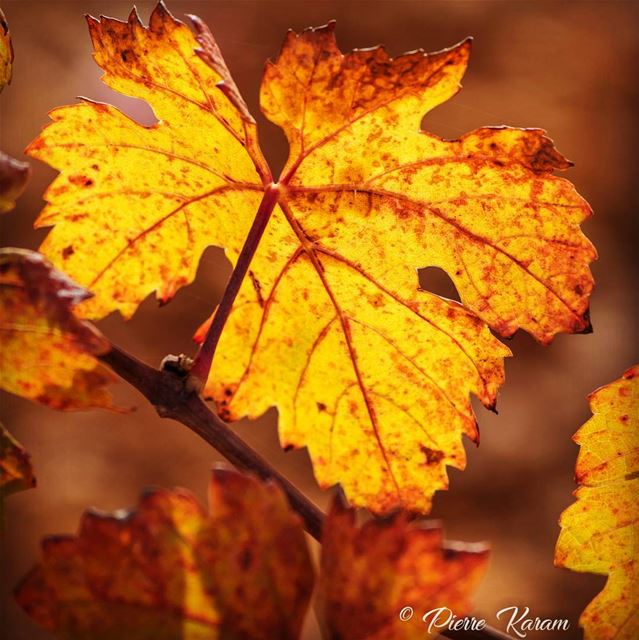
600, 531
373, 572
13, 174
367, 371
13, 180
16, 473
6, 53
48, 355
169, 571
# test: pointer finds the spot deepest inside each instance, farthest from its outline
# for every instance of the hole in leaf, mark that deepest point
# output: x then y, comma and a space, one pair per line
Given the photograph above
137, 109
437, 281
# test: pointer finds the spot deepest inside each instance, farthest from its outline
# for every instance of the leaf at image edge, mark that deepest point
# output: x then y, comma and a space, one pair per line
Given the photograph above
48, 355
600, 531
16, 472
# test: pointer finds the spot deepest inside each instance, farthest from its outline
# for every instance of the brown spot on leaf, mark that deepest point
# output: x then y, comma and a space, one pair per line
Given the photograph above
258, 288
433, 456
81, 180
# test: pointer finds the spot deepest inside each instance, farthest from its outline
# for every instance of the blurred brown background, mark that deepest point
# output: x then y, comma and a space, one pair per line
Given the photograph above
567, 67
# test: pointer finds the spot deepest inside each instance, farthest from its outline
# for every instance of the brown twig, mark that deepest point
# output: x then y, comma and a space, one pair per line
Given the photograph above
172, 392
169, 392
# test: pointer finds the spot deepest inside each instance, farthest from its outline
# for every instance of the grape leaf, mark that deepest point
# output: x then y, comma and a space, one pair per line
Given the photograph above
169, 571
370, 574
485, 208
48, 354
134, 207
16, 473
13, 180
6, 53
367, 371
600, 531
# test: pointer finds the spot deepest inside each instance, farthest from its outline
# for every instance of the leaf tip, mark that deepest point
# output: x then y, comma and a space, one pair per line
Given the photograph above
224, 477
160, 16
328, 28
162, 8
340, 501
221, 473
134, 17
477, 434
91, 20
466, 44
587, 326
199, 26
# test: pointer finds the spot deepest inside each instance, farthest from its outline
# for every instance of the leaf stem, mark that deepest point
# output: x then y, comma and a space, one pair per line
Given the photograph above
204, 358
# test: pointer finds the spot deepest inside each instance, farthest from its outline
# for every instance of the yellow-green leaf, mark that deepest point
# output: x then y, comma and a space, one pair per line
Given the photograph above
600, 531
48, 355
168, 571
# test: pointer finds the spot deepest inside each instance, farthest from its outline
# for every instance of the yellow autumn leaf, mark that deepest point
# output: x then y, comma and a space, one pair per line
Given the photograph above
48, 355
134, 207
600, 531
362, 178
367, 371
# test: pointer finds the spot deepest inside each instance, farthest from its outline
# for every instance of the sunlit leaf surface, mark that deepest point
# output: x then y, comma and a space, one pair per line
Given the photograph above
370, 373
48, 354
600, 531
